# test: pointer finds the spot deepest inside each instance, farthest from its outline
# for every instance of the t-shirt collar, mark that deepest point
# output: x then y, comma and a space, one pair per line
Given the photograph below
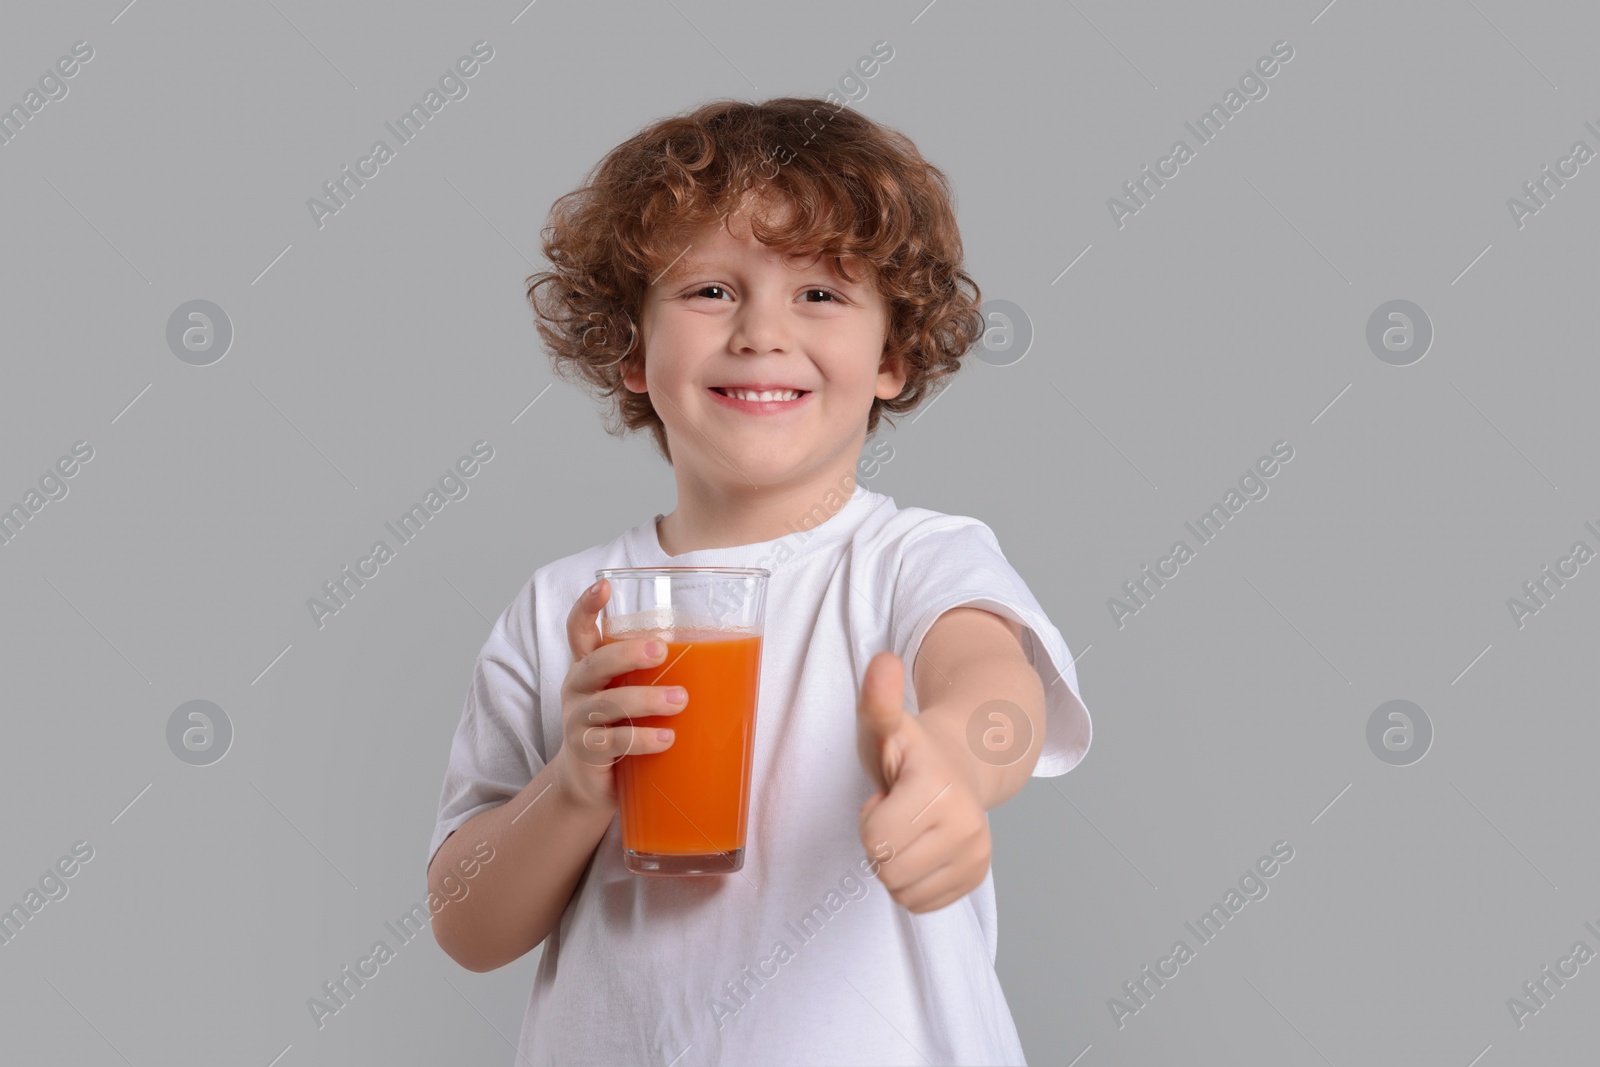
644, 542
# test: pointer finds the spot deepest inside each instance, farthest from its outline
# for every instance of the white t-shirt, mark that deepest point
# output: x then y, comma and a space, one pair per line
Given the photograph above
802, 957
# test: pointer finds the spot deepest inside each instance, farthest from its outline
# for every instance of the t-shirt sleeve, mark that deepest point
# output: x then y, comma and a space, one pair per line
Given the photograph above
499, 743
956, 561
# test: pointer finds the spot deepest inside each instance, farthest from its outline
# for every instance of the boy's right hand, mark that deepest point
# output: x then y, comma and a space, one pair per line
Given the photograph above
595, 728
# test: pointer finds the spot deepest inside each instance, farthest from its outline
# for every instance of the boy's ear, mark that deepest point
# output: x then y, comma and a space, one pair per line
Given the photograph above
633, 374
891, 377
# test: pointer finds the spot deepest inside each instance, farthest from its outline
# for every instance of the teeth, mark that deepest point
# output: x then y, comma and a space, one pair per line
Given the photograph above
770, 394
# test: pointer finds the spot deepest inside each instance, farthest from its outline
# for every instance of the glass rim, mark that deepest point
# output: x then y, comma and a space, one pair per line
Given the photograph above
685, 569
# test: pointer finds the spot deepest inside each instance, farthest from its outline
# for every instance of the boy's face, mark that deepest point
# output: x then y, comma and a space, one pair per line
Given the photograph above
732, 312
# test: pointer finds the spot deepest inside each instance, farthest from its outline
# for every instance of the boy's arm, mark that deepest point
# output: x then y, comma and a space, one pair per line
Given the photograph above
970, 658
543, 839
972, 745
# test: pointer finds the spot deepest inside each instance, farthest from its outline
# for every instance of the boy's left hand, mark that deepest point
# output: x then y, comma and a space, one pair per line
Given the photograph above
927, 808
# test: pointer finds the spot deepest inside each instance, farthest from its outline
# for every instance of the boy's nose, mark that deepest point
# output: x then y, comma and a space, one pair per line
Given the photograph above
759, 327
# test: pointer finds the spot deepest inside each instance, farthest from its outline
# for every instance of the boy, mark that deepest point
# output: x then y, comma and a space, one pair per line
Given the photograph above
756, 284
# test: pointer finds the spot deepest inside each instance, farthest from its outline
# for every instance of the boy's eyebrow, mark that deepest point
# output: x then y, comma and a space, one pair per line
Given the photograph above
679, 267
686, 265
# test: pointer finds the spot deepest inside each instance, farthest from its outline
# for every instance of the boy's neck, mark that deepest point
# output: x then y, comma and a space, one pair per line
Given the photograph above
714, 516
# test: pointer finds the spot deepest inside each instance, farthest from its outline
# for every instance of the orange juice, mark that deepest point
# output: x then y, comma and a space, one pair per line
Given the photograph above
693, 799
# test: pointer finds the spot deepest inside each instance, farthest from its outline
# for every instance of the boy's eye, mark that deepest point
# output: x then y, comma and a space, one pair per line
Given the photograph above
831, 296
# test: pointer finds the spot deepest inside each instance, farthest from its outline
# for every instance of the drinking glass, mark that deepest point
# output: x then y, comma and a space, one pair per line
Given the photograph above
685, 810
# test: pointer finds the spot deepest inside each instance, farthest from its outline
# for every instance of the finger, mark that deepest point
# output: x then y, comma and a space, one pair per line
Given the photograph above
583, 636
881, 718
930, 850
917, 852
935, 852
600, 667
871, 805
865, 822
602, 746
632, 702
939, 889
881, 702
882, 829
917, 804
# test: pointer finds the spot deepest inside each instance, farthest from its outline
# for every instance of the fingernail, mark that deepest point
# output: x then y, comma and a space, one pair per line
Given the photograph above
655, 648
677, 695
664, 735
593, 589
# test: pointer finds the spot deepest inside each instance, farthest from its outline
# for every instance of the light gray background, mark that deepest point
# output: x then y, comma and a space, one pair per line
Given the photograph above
1229, 314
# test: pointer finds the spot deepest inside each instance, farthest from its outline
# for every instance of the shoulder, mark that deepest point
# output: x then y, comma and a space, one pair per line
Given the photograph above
575, 572
915, 557
905, 531
543, 601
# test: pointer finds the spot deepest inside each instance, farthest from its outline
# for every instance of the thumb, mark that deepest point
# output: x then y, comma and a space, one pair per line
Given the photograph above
880, 716
881, 707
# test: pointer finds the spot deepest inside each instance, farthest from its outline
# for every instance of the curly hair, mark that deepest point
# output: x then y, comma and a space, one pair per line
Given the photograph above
862, 193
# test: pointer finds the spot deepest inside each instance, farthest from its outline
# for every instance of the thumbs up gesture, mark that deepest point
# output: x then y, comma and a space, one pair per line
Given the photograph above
927, 807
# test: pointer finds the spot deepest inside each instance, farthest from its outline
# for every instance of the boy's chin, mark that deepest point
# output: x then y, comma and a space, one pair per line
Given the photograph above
755, 469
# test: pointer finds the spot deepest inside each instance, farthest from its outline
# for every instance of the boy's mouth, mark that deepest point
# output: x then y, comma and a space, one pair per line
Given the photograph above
759, 400
759, 392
